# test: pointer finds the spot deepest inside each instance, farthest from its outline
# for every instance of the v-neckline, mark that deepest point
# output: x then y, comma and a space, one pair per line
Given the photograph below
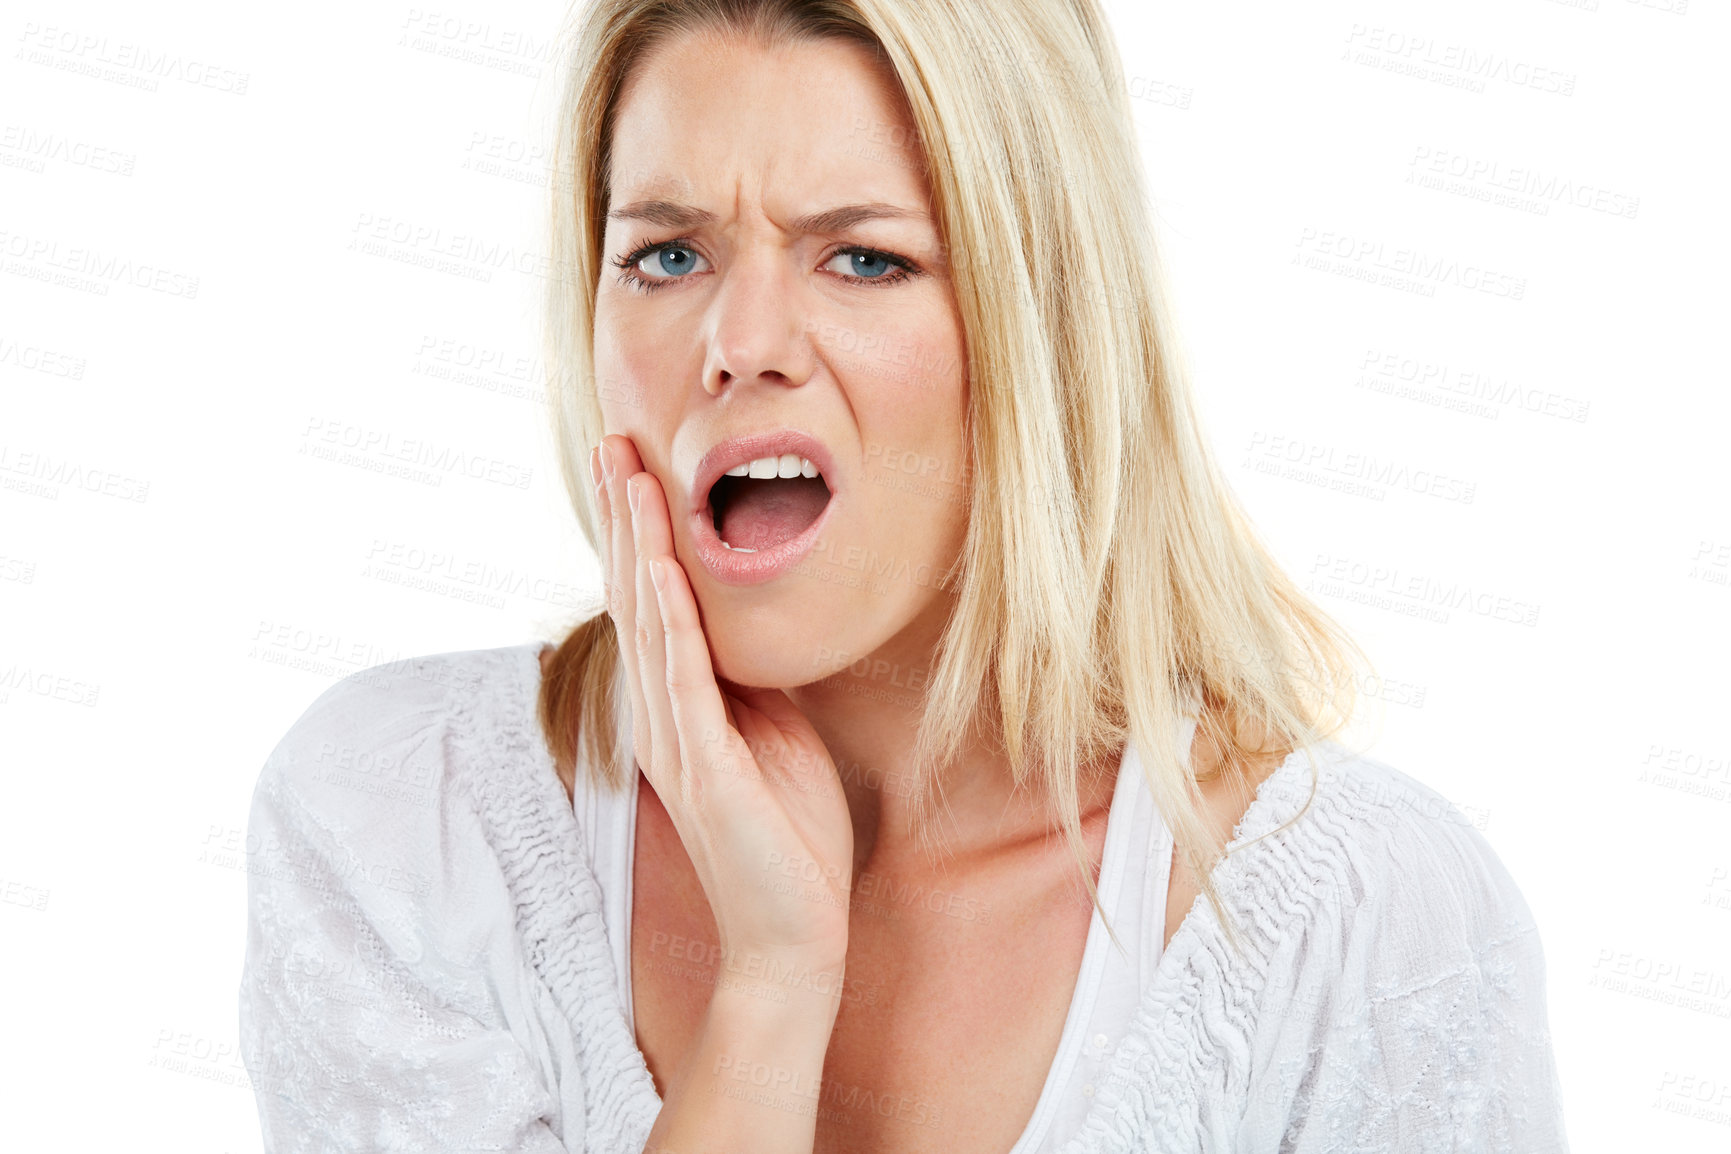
1193, 932
1083, 996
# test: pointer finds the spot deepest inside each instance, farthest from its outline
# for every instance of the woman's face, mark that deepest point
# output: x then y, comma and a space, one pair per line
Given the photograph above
775, 288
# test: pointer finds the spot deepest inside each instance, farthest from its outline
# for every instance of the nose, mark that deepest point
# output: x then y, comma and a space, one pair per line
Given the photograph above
757, 329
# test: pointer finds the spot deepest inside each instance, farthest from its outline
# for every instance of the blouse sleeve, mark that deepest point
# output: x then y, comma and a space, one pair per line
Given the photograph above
1419, 1023
377, 958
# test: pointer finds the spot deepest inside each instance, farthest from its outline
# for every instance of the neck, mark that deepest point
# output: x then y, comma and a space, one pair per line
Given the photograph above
867, 716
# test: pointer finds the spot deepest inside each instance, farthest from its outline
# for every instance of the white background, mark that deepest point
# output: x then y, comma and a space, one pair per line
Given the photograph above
178, 579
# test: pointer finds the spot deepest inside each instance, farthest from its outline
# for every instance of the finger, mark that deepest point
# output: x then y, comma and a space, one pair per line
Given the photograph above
776, 714
653, 537
603, 515
775, 705
771, 722
702, 723
619, 461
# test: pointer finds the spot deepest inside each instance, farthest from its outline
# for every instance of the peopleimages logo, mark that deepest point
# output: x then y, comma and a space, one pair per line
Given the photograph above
1453, 65
22, 147
1464, 389
465, 578
36, 359
123, 62
1527, 187
1356, 473
41, 474
345, 443
1369, 259
89, 269
1413, 594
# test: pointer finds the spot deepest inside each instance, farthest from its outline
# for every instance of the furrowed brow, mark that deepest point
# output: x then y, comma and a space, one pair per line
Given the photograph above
667, 213
671, 214
848, 215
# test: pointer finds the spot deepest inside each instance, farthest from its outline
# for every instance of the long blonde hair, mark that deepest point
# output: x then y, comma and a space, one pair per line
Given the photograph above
1109, 582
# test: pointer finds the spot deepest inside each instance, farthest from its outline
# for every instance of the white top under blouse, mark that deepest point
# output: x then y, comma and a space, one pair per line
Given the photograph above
438, 954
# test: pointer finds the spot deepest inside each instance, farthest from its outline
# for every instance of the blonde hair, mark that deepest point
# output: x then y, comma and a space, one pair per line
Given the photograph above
1109, 582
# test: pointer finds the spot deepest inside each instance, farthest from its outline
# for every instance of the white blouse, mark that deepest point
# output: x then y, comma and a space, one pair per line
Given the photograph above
437, 954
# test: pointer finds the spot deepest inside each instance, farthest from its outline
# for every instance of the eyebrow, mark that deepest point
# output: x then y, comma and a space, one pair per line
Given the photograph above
672, 214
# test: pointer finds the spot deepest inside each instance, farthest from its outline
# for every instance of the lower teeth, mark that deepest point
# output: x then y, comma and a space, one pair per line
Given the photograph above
740, 549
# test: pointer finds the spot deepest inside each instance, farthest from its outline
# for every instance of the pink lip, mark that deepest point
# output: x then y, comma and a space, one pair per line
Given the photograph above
726, 565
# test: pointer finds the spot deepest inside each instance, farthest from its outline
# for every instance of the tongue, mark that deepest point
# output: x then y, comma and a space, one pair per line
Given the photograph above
764, 513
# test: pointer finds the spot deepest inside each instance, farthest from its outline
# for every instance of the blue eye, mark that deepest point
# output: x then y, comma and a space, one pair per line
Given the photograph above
865, 264
668, 262
869, 264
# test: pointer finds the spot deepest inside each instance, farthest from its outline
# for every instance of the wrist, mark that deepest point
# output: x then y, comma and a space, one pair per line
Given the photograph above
776, 987
803, 965
744, 1026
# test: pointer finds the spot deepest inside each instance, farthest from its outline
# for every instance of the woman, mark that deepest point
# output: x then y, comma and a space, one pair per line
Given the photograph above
949, 671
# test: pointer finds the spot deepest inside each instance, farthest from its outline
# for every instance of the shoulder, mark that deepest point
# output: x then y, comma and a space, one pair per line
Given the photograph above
395, 739
1395, 878
407, 695
1396, 966
426, 959
398, 809
1380, 825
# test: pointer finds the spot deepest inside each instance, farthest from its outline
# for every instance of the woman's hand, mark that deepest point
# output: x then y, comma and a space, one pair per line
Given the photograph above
745, 779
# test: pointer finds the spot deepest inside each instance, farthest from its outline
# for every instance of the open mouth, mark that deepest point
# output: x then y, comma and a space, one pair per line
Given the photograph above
767, 501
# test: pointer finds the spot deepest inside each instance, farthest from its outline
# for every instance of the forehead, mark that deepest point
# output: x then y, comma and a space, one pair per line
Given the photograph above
710, 116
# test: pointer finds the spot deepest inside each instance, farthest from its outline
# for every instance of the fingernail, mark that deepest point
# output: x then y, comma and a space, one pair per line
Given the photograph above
606, 461
631, 493
595, 464
656, 575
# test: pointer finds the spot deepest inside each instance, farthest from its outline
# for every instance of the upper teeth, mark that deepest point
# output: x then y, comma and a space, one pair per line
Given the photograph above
786, 465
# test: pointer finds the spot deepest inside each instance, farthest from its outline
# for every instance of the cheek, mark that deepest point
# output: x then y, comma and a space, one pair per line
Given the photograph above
916, 366
912, 404
632, 371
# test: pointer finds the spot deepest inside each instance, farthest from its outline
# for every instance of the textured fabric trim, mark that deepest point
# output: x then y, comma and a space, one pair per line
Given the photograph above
517, 793
1192, 1033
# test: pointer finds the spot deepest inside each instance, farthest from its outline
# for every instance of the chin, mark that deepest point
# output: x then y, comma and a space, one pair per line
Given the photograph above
760, 671
773, 646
